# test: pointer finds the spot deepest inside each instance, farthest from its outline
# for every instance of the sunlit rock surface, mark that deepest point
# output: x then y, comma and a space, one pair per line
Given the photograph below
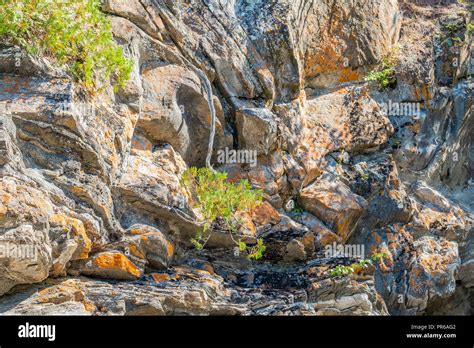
94, 219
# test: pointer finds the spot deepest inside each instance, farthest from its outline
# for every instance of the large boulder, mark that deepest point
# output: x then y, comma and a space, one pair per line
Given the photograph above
416, 274
175, 111
26, 255
113, 265
150, 190
334, 203
346, 297
341, 38
256, 129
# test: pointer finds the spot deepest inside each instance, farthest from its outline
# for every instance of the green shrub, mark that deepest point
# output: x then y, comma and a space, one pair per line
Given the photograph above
342, 157
297, 210
384, 73
256, 252
219, 199
378, 256
469, 28
365, 176
341, 271
73, 32
357, 267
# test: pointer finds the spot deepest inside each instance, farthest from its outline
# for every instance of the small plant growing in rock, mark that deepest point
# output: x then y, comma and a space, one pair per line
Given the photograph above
357, 267
343, 157
470, 28
341, 271
256, 252
297, 210
365, 176
384, 73
378, 256
75, 33
219, 200
451, 37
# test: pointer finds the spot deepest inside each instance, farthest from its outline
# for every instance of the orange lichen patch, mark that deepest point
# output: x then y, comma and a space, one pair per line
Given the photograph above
68, 122
135, 231
328, 56
170, 249
59, 294
395, 195
78, 191
142, 230
89, 306
265, 214
392, 238
385, 266
135, 251
197, 272
326, 237
312, 167
341, 209
345, 219
342, 90
377, 241
208, 268
27, 200
190, 272
264, 71
104, 210
59, 220
78, 232
116, 262
258, 177
326, 59
429, 218
161, 277
45, 291
348, 75
129, 128
113, 160
210, 281
5, 198
66, 291
386, 262
434, 263
423, 92
308, 242
141, 144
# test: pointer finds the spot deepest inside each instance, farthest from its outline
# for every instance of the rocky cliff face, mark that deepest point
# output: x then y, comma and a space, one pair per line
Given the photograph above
92, 185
